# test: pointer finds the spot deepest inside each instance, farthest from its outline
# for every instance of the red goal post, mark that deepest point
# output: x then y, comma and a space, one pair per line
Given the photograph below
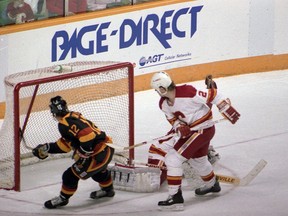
102, 91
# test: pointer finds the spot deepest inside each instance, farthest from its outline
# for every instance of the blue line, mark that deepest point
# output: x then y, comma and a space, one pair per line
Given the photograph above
165, 63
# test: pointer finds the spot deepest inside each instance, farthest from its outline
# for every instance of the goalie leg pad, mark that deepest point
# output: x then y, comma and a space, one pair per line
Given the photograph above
201, 165
135, 179
213, 156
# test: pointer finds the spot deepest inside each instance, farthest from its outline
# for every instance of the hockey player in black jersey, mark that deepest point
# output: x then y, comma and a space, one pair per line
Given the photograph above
90, 152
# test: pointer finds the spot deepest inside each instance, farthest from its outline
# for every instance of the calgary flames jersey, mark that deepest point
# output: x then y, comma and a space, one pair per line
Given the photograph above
192, 103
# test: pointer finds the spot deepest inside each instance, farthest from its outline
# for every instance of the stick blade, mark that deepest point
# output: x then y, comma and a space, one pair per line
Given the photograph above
228, 179
253, 173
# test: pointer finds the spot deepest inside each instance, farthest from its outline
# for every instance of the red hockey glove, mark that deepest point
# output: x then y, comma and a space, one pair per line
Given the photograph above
228, 111
172, 131
183, 131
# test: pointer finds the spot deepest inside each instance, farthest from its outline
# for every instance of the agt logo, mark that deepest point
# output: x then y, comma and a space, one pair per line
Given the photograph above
96, 38
160, 59
151, 59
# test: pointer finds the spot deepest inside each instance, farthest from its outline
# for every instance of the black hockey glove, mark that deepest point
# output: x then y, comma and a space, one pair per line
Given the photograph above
41, 151
81, 156
82, 153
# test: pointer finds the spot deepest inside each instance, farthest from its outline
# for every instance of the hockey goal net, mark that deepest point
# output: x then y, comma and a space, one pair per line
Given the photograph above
101, 91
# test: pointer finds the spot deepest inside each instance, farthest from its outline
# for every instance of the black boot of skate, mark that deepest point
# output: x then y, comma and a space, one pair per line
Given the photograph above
56, 202
103, 192
204, 190
174, 202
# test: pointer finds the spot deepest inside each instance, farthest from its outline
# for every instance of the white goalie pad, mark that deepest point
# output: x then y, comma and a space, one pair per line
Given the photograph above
191, 177
135, 179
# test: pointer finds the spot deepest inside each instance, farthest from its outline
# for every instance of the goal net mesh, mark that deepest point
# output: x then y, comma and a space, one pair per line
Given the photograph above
101, 91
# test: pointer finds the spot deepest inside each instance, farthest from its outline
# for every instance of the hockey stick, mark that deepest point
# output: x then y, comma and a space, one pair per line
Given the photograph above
21, 131
246, 179
225, 178
22, 138
123, 148
197, 127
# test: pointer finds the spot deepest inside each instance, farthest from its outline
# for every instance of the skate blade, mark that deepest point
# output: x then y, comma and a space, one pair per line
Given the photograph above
175, 207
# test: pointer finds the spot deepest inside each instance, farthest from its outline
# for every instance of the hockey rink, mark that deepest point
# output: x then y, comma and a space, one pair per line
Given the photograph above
261, 133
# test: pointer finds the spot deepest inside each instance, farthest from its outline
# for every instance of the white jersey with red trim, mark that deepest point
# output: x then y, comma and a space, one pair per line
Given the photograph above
190, 105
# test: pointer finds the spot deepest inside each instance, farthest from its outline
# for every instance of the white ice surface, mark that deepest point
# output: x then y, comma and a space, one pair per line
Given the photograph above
261, 133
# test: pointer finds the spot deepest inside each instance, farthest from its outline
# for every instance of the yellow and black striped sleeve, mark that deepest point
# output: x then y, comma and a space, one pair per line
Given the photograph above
60, 146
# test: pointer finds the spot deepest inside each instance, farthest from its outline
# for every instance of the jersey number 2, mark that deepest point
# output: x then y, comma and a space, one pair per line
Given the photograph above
203, 94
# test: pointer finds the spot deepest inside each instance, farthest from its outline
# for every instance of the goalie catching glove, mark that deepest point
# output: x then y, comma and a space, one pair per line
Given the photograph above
41, 151
228, 111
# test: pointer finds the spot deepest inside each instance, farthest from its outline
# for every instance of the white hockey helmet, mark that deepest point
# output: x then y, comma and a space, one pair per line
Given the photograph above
161, 79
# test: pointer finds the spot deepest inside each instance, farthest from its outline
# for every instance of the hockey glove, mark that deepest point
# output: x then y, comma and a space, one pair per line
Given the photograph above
183, 131
41, 151
228, 111
82, 153
209, 82
82, 158
172, 131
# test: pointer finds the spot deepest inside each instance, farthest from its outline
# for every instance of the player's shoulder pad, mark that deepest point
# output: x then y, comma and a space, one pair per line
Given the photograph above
186, 91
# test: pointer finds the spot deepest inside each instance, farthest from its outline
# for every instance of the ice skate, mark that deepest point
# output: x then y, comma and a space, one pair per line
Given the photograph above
204, 190
174, 202
103, 192
56, 202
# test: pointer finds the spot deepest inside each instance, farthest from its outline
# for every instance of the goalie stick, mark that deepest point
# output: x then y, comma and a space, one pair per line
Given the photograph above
229, 179
197, 127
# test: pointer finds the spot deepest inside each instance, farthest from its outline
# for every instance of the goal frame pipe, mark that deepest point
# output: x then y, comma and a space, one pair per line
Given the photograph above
29, 110
18, 86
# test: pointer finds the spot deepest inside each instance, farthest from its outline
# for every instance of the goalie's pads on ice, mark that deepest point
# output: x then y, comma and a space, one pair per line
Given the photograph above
135, 179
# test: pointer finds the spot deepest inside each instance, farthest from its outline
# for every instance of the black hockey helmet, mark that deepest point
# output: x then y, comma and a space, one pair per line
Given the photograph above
58, 106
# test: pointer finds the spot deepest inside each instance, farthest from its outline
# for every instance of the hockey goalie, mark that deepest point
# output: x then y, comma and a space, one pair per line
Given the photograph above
148, 177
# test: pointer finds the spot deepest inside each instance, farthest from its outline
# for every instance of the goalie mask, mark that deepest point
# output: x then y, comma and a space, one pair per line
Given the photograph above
58, 106
160, 82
